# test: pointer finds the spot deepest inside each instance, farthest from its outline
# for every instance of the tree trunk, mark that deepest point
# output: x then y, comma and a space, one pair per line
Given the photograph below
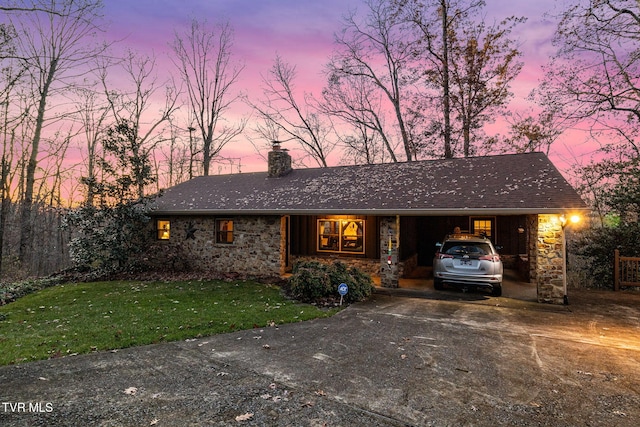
4, 206
466, 135
27, 202
403, 129
446, 103
206, 153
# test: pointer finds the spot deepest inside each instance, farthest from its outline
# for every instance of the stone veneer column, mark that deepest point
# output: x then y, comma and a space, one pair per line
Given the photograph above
550, 260
389, 274
532, 247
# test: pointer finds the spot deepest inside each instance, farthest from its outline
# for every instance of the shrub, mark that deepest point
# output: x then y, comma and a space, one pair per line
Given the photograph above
9, 292
314, 281
109, 239
594, 249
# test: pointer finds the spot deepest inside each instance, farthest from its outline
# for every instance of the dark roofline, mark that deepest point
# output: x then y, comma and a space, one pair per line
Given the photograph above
374, 212
515, 184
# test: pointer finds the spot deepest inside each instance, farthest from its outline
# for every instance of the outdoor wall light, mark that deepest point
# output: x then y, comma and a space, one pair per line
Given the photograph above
573, 219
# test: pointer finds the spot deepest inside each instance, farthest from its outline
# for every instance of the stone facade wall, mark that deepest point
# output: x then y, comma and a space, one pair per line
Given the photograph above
259, 250
389, 268
550, 260
255, 251
532, 248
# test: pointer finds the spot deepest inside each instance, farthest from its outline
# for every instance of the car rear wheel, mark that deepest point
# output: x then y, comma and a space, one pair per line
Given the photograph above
437, 284
497, 290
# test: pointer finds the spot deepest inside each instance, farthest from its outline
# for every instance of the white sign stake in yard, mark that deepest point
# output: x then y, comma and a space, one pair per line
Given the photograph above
342, 290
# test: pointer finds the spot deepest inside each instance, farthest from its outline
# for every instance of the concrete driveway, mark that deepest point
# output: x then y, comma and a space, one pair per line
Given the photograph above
433, 359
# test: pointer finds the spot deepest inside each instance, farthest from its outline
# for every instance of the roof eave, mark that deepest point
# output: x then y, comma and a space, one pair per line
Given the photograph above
375, 212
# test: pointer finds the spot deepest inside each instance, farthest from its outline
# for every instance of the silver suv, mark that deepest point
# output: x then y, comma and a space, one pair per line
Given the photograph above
467, 261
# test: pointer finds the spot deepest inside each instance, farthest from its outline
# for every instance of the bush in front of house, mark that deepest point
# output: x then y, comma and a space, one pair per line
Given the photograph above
109, 239
593, 249
315, 282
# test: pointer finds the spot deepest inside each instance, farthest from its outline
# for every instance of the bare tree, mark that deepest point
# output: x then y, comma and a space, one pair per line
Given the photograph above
593, 81
141, 129
379, 49
54, 167
174, 160
437, 23
35, 6
356, 101
362, 146
92, 113
286, 118
10, 75
466, 66
54, 46
203, 56
441, 69
529, 131
484, 63
594, 74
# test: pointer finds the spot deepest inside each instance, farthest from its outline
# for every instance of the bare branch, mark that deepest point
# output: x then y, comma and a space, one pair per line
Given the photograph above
203, 57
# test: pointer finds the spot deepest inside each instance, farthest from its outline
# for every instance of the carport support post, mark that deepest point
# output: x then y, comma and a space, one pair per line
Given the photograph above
389, 248
565, 297
550, 265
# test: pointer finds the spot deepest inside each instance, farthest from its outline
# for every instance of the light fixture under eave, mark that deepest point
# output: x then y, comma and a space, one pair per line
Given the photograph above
573, 219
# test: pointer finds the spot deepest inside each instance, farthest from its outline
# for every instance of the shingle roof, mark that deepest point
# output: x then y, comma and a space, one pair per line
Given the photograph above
505, 184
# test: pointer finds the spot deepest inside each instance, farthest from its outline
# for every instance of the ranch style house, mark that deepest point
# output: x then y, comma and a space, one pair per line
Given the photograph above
382, 218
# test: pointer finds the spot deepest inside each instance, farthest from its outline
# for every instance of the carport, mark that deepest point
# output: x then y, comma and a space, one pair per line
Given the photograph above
419, 235
532, 247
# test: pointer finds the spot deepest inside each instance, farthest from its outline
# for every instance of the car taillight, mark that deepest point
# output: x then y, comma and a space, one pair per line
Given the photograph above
442, 256
492, 258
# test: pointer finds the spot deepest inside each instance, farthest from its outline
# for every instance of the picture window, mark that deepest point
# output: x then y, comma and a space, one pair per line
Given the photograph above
341, 235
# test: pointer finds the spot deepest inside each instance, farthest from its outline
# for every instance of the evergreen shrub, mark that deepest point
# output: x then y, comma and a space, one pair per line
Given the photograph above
316, 282
594, 249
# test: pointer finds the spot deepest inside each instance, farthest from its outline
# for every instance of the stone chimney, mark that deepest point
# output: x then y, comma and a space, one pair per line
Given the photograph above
279, 161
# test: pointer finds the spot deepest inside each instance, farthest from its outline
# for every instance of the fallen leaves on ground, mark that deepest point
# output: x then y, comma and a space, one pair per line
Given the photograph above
244, 417
131, 391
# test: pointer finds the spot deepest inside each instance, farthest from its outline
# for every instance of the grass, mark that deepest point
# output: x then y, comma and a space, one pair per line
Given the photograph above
79, 318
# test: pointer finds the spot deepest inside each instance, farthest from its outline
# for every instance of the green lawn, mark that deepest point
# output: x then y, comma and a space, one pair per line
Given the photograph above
84, 317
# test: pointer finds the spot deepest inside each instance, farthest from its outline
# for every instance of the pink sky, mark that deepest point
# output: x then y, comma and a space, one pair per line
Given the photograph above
301, 32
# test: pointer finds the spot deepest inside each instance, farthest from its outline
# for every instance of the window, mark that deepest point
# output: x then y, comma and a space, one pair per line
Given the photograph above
341, 235
163, 227
224, 231
483, 226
